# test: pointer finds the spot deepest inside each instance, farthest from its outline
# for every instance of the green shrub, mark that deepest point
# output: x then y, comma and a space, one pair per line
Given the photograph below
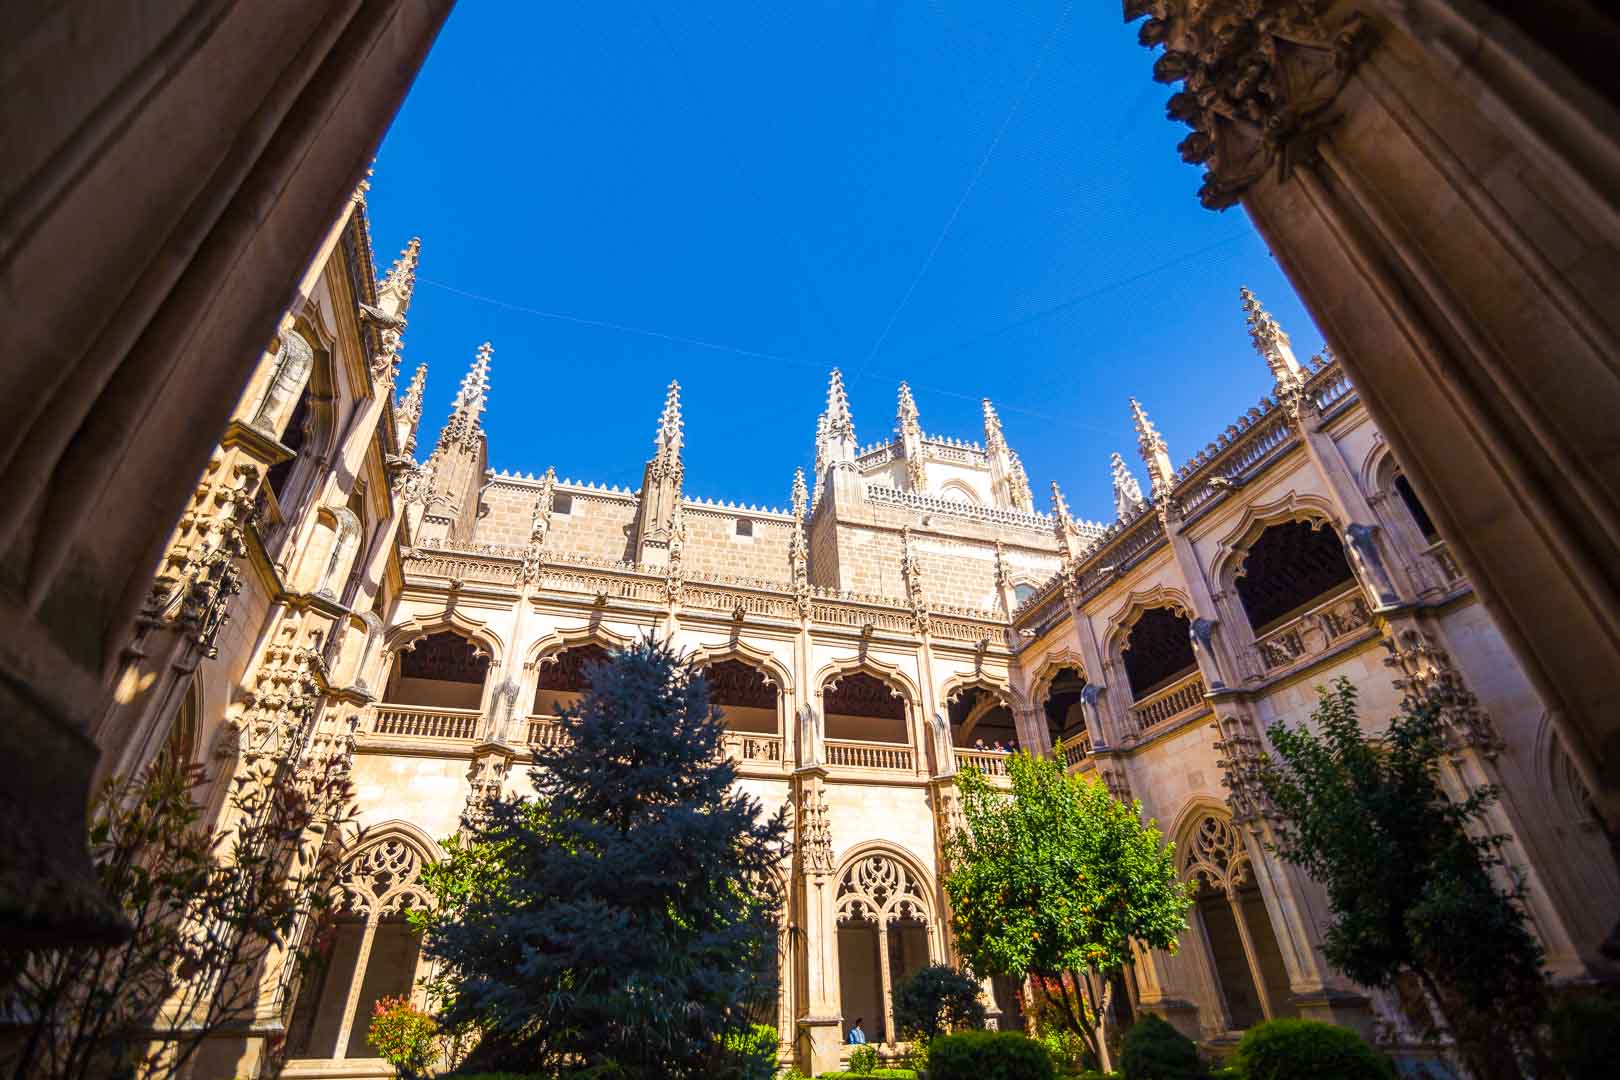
403, 1035
988, 1055
1154, 1050
935, 1000
752, 1052
1289, 1049
1585, 1036
875, 1074
863, 1060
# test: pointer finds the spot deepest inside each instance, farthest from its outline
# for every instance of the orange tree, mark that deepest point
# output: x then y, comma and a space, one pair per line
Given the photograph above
1055, 880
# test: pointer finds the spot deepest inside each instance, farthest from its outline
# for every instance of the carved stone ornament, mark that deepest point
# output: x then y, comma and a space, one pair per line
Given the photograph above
1429, 680
1259, 81
879, 889
382, 879
1242, 762
1202, 632
815, 833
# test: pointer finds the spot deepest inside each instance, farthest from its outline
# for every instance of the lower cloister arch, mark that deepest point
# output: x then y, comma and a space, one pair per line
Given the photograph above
1230, 927
887, 928
372, 951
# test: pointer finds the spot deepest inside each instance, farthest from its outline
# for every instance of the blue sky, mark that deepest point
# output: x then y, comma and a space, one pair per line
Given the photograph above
983, 199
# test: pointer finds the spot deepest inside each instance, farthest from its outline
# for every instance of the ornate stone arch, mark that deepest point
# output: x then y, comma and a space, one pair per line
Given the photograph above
1040, 682
837, 668
962, 681
547, 649
1133, 607
381, 875
404, 635
1226, 567
776, 673
881, 881
950, 487
1211, 848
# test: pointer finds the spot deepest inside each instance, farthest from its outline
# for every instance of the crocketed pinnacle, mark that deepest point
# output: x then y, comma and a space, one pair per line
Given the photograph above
1060, 507
1155, 454
408, 409
1269, 340
1127, 492
395, 289
907, 413
994, 440
840, 424
671, 427
466, 412
801, 497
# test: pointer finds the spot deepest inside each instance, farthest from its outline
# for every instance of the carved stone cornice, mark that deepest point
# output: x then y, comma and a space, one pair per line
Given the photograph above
1429, 680
1259, 81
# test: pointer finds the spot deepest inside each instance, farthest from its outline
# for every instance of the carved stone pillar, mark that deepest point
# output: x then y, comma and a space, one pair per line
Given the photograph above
820, 1025
1030, 723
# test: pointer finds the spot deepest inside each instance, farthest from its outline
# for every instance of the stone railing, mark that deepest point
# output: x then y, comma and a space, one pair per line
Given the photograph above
1182, 696
545, 731
882, 493
422, 722
1330, 386
989, 762
956, 452
1448, 570
752, 746
1077, 751
1315, 631
890, 757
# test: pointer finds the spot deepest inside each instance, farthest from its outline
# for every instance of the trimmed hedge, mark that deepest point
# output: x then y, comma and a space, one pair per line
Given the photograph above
988, 1055
1290, 1049
875, 1074
1155, 1050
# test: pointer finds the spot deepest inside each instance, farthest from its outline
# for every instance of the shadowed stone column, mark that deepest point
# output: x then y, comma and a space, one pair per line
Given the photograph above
171, 168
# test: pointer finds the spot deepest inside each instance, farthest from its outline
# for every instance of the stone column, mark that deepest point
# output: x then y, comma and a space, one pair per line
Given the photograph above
1446, 201
820, 1024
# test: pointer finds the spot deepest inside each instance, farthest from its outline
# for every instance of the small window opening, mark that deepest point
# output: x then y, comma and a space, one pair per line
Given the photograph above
562, 503
745, 527
1420, 516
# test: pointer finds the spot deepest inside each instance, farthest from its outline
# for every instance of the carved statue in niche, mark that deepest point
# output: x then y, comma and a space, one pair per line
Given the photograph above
810, 743
1202, 633
1361, 543
297, 357
939, 730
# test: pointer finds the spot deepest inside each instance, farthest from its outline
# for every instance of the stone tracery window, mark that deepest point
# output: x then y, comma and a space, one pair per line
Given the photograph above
373, 952
1243, 961
884, 917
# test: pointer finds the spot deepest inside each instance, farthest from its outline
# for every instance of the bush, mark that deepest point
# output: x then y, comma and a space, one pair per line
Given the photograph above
1585, 1036
752, 1053
1288, 1049
403, 1035
1154, 1050
988, 1055
862, 1060
935, 1000
875, 1074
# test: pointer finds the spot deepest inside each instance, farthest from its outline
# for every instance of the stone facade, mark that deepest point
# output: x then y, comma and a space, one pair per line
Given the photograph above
908, 614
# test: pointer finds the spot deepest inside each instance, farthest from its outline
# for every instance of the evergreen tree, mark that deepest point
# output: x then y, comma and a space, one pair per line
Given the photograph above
625, 919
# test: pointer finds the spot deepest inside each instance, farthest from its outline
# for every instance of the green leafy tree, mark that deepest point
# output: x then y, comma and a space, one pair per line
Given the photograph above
1056, 880
206, 909
934, 1000
625, 919
1414, 882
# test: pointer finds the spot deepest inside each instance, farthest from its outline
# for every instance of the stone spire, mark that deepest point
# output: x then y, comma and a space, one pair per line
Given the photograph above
1273, 346
1128, 499
994, 440
840, 424
1008, 483
800, 498
395, 289
671, 436
466, 412
1060, 506
910, 441
408, 411
659, 527
1161, 474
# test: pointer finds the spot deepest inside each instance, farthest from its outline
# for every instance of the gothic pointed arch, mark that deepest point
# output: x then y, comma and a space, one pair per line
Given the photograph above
547, 649
776, 673
402, 635
1140, 601
373, 951
838, 668
888, 927
1059, 659
1234, 545
1149, 640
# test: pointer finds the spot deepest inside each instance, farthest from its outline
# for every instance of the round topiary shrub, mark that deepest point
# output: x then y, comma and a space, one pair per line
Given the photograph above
1154, 1050
1289, 1049
988, 1055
